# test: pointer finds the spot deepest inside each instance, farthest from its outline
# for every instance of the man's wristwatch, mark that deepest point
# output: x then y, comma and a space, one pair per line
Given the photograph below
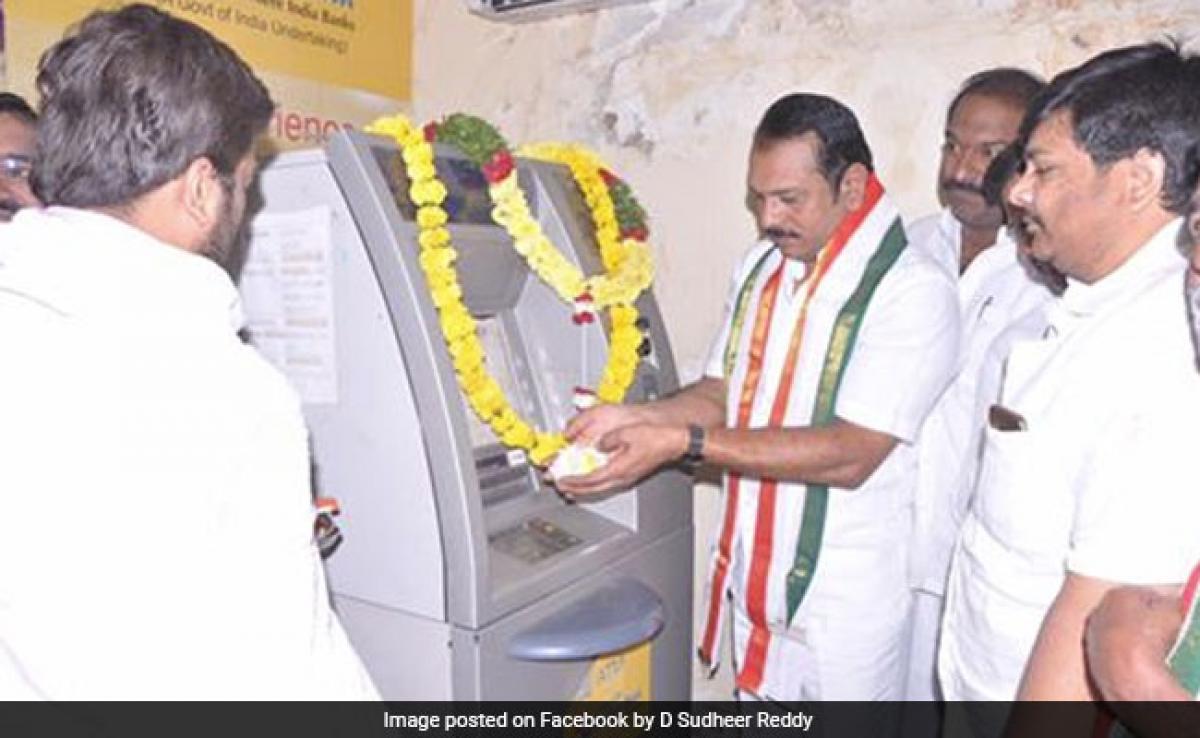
694, 455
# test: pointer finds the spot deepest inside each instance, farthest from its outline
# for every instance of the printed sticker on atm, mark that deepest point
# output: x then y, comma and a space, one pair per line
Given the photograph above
620, 677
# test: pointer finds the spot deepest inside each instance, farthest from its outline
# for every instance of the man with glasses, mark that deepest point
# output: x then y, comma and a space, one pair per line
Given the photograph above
18, 133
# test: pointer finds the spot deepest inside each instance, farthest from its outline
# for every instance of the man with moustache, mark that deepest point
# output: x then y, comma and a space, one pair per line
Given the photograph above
1080, 488
156, 468
982, 120
18, 133
836, 341
968, 239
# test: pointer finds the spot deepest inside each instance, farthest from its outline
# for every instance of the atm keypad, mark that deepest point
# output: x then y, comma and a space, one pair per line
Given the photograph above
534, 540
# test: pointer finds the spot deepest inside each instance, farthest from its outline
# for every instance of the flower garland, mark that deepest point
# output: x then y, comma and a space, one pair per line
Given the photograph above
621, 233
628, 263
620, 226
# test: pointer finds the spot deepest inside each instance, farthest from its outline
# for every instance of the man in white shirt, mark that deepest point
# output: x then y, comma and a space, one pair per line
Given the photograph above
812, 399
1143, 642
1082, 485
968, 239
156, 470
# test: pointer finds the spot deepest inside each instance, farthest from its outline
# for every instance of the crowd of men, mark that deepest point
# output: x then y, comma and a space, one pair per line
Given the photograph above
955, 453
1002, 406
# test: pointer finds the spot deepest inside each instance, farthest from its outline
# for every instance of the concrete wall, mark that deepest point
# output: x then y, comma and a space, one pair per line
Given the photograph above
669, 91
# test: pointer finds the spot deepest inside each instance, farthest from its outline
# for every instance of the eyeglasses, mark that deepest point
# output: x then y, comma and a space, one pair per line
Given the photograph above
15, 166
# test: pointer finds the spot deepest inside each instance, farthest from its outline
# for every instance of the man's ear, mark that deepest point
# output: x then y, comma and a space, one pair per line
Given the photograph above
1147, 172
853, 188
201, 193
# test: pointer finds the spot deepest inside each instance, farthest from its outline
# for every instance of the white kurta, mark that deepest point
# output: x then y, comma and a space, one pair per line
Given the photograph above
995, 289
1097, 483
993, 292
156, 482
847, 639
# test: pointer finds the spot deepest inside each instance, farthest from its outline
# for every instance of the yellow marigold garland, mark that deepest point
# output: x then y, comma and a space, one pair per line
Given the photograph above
623, 250
625, 255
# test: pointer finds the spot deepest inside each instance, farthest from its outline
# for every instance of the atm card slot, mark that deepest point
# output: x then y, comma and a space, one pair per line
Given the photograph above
495, 494
501, 477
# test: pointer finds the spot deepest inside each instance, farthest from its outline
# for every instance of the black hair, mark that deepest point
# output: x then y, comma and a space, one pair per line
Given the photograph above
130, 98
1128, 99
841, 139
1009, 84
15, 105
1006, 165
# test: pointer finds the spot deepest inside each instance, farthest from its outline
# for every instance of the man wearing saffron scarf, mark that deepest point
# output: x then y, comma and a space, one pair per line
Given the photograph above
836, 342
1087, 453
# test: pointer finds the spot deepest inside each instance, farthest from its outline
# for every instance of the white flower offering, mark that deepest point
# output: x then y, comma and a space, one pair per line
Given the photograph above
576, 460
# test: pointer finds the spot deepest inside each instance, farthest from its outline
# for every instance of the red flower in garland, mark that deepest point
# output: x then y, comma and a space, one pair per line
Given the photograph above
585, 309
638, 234
498, 167
430, 130
609, 178
583, 398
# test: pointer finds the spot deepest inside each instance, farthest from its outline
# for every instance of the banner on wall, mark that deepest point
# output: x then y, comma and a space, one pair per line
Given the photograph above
328, 63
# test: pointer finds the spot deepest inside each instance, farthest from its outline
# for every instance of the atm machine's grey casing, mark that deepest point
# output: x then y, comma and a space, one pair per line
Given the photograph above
430, 580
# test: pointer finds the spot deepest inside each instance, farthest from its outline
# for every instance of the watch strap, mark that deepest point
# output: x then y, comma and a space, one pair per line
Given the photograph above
695, 447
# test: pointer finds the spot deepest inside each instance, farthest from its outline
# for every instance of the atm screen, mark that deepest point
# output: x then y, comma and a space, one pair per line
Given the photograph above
499, 365
467, 202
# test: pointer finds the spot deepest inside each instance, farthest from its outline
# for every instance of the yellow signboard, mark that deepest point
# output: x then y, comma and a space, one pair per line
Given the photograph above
328, 63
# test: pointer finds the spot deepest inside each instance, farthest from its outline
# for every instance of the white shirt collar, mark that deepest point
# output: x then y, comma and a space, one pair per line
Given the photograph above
950, 229
1002, 251
1158, 254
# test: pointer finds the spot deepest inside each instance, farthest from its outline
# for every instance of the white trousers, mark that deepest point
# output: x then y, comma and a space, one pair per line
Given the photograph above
860, 658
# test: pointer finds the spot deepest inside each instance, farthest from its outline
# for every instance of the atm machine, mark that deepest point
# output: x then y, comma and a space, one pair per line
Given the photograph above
461, 574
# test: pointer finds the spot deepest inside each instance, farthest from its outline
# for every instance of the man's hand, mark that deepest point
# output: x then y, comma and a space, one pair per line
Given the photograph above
634, 452
640, 438
1127, 639
589, 426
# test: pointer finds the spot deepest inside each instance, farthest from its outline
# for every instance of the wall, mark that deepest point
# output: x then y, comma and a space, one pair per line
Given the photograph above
670, 90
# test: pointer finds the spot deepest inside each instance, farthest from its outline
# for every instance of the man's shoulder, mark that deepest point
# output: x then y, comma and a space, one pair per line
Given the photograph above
1147, 337
924, 227
33, 265
916, 268
753, 259
260, 381
935, 235
915, 290
1156, 312
757, 252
